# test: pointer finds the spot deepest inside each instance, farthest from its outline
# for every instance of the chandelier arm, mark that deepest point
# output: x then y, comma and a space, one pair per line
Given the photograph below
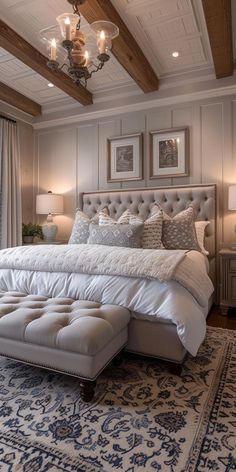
97, 68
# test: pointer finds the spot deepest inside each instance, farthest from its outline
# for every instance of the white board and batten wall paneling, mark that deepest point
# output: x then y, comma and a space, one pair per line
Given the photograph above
73, 158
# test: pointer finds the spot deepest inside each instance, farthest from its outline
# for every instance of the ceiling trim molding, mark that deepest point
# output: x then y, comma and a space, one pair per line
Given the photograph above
140, 106
22, 50
219, 25
19, 101
124, 47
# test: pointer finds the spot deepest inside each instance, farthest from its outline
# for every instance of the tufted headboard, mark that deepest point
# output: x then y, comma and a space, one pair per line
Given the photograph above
172, 200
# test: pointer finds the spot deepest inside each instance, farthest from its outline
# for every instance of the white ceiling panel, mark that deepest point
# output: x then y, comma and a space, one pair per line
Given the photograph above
164, 26
160, 27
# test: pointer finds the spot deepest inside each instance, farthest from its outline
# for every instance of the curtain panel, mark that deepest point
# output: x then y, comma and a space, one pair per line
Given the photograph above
10, 185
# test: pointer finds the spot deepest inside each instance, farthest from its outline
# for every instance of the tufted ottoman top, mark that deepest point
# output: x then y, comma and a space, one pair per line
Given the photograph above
62, 323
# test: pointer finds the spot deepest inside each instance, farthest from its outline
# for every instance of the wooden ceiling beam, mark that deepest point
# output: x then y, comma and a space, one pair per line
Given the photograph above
22, 50
124, 47
17, 100
219, 25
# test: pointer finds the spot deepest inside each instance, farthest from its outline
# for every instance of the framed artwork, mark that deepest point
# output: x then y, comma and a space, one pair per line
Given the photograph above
125, 158
169, 153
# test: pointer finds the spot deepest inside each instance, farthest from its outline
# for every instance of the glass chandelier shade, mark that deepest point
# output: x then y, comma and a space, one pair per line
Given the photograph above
82, 58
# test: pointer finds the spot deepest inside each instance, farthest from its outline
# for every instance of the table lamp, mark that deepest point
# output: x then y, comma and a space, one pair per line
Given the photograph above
49, 204
232, 204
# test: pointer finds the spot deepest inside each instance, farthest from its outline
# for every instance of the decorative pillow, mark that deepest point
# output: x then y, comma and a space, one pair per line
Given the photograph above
179, 232
116, 235
105, 219
80, 230
152, 230
200, 227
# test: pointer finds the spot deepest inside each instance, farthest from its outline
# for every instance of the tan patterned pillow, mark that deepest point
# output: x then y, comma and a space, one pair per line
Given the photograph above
179, 232
80, 230
152, 230
106, 219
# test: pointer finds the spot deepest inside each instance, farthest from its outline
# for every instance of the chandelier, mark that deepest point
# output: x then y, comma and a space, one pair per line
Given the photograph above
84, 55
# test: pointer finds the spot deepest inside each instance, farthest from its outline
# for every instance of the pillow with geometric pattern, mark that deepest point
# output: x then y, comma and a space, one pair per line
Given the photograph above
116, 235
179, 232
152, 230
80, 230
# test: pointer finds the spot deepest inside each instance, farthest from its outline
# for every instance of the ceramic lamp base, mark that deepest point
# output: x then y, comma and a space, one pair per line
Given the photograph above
49, 232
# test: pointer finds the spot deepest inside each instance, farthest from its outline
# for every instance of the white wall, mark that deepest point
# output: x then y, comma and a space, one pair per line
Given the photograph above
74, 158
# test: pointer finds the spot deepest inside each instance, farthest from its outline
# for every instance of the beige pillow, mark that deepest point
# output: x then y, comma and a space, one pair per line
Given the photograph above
106, 219
200, 227
80, 230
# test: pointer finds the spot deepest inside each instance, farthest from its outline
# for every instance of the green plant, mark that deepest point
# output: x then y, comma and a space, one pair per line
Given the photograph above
31, 229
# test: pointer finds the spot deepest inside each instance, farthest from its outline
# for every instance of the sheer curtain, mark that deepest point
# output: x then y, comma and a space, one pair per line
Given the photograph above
10, 187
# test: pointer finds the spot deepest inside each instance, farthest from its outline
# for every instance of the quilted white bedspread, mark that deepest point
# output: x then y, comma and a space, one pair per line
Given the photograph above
156, 283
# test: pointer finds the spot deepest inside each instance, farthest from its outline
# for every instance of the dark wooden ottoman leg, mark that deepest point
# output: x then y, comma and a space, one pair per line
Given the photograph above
175, 368
87, 389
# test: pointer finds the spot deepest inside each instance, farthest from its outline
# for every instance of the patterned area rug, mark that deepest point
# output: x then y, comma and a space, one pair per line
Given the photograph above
142, 419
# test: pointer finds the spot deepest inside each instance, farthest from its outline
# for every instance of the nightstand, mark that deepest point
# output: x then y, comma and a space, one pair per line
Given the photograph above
227, 279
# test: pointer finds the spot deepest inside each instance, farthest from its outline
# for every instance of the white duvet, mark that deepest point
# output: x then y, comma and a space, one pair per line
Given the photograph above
171, 285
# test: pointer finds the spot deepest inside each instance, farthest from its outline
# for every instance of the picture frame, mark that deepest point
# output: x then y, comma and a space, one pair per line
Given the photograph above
125, 158
169, 153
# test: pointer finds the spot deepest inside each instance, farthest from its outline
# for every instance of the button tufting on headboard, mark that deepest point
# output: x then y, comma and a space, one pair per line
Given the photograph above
173, 200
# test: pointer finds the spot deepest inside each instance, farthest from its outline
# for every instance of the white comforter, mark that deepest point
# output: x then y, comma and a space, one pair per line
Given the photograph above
145, 281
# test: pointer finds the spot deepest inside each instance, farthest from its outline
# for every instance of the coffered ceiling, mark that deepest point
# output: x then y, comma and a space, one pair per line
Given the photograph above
157, 27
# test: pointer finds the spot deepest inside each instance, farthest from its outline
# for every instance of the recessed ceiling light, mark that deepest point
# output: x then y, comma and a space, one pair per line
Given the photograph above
50, 84
175, 54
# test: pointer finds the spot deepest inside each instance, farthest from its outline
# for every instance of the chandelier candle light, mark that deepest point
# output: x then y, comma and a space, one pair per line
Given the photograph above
80, 63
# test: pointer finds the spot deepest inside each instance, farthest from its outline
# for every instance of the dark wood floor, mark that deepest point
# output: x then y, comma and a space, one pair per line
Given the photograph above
216, 319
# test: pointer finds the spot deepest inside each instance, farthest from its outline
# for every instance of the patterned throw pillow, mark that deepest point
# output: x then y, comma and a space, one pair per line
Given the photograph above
105, 219
179, 232
80, 230
152, 230
116, 235
200, 227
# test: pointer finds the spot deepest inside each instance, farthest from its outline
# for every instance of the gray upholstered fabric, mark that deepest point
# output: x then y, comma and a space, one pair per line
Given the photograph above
179, 232
78, 337
172, 200
116, 235
80, 230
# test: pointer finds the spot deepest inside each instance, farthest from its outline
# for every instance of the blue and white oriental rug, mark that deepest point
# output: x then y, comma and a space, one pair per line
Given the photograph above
142, 418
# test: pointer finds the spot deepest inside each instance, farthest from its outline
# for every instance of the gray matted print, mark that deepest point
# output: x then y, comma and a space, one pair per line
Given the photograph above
169, 153
125, 160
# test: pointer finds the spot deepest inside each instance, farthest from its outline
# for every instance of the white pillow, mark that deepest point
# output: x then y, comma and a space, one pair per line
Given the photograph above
200, 227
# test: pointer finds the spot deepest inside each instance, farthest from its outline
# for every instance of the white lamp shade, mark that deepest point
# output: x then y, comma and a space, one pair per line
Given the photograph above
49, 203
232, 197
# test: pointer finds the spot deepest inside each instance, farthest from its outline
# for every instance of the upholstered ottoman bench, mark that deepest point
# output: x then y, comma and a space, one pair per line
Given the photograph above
76, 337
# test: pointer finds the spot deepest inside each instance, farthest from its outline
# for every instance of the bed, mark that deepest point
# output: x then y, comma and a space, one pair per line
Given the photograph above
160, 339
167, 318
